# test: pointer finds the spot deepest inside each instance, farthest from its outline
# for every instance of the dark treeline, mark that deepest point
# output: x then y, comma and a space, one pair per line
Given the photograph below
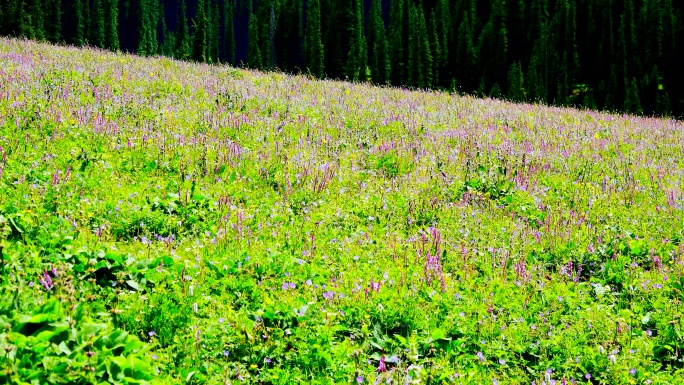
623, 55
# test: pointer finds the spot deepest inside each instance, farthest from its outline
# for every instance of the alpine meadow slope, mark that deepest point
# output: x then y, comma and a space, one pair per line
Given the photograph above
169, 222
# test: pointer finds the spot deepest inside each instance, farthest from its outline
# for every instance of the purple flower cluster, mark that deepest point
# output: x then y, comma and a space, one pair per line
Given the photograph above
46, 280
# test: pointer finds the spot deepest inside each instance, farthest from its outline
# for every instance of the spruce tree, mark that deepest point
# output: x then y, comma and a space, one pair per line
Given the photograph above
253, 51
383, 59
536, 86
269, 47
87, 23
213, 39
516, 83
435, 49
414, 76
425, 59
337, 20
633, 65
397, 42
375, 26
290, 36
377, 42
36, 15
567, 50
661, 104
465, 55
672, 60
111, 16
79, 23
632, 102
444, 31
420, 57
53, 20
9, 25
148, 27
611, 90
97, 28
265, 27
228, 47
493, 47
355, 68
313, 44
168, 41
19, 22
199, 38
182, 34
75, 23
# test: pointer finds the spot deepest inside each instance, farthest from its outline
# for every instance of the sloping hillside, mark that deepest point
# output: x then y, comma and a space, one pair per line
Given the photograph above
183, 223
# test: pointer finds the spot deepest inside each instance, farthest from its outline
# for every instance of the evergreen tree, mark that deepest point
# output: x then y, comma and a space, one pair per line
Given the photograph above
36, 17
564, 24
78, 26
377, 42
87, 23
414, 76
53, 20
493, 47
313, 44
610, 90
8, 19
444, 32
19, 21
74, 23
396, 41
213, 38
382, 59
266, 27
228, 48
97, 28
424, 51
253, 52
182, 34
375, 26
536, 82
271, 57
290, 36
111, 17
672, 60
356, 58
435, 49
3, 22
148, 26
420, 57
516, 83
632, 102
337, 20
655, 100
621, 64
633, 63
465, 58
168, 42
199, 38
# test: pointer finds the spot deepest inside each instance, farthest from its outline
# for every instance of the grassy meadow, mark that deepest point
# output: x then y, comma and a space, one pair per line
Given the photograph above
165, 222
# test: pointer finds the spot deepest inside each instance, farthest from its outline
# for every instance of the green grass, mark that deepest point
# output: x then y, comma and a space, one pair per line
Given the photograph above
212, 225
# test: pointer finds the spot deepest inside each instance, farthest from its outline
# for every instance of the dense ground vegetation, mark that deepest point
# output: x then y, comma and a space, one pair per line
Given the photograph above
163, 221
615, 55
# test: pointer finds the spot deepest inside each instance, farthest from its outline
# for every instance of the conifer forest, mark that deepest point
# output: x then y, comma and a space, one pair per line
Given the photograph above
615, 55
